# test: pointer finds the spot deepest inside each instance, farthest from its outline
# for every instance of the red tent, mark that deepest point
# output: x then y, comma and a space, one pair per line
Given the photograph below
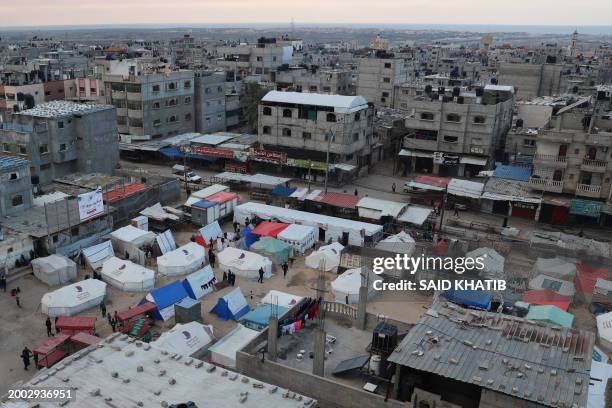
75, 324
586, 277
546, 297
338, 200
269, 229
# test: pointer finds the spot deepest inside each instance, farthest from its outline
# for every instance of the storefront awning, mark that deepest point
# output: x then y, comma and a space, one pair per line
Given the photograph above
414, 153
478, 161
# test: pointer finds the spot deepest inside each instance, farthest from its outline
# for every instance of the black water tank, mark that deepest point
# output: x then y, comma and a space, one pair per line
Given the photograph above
384, 337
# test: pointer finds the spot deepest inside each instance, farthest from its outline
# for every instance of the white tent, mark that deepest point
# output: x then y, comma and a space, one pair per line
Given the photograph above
282, 299
346, 286
415, 215
604, 331
492, 260
73, 299
130, 237
200, 283
97, 254
224, 351
326, 258
190, 339
600, 374
401, 243
560, 286
54, 269
211, 231
300, 237
244, 263
375, 209
186, 259
555, 267
127, 276
165, 242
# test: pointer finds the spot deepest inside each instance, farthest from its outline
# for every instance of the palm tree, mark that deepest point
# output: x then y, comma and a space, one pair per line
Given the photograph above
253, 93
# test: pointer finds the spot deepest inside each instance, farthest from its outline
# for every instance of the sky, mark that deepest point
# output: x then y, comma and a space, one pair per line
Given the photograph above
508, 12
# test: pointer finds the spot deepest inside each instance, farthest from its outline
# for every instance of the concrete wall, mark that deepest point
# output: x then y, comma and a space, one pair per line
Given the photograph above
12, 188
209, 99
492, 399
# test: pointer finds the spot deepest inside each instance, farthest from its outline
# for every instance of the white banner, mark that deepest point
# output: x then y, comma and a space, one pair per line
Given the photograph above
90, 204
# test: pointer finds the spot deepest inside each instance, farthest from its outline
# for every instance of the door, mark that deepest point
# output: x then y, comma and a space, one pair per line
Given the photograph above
562, 150
321, 234
592, 153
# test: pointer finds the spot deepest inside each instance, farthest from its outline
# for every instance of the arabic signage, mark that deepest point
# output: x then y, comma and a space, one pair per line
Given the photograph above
213, 152
304, 164
268, 156
90, 204
236, 168
445, 158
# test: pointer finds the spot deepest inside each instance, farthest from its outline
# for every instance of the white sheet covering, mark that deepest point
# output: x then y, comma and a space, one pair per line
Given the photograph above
244, 263
300, 237
127, 276
283, 299
54, 269
165, 242
224, 351
184, 260
400, 243
130, 237
492, 260
188, 339
73, 299
604, 331
555, 267
326, 258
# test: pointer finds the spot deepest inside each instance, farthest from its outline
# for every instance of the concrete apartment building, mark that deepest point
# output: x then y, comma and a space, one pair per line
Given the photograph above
454, 131
531, 79
379, 76
325, 80
15, 185
152, 102
61, 137
209, 101
261, 58
299, 124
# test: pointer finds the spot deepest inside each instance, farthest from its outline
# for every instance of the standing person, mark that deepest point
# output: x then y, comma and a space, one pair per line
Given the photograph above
456, 211
17, 300
261, 274
285, 269
235, 225
55, 323
103, 309
231, 277
110, 319
211, 258
35, 356
393, 187
48, 324
116, 316
113, 324
25, 357
356, 192
3, 283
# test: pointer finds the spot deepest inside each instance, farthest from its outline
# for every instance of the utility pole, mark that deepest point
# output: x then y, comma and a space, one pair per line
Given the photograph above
330, 134
309, 168
444, 198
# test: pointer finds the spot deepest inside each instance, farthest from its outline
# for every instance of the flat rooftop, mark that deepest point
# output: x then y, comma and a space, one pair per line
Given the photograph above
62, 109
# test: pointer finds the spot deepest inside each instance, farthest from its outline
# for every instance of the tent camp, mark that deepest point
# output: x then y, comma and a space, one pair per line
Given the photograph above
560, 286
284, 299
244, 263
232, 306
474, 299
300, 237
551, 315
492, 260
211, 231
258, 318
54, 269
97, 254
186, 259
73, 299
165, 242
546, 297
273, 248
129, 237
326, 258
190, 339
401, 243
556, 267
269, 229
224, 351
604, 330
200, 283
376, 209
346, 286
127, 276
165, 298
205, 193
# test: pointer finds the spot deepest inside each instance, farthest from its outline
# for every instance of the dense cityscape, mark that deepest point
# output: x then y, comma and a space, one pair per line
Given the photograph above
302, 215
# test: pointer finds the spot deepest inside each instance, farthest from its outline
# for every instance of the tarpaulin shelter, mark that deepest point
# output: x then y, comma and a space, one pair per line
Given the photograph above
465, 188
97, 254
205, 193
165, 298
376, 209
268, 229
546, 297
283, 191
560, 286
54, 269
211, 231
75, 324
127, 276
604, 331
346, 286
224, 351
165, 242
474, 299
200, 283
231, 306
189, 339
248, 238
258, 318
244, 263
400, 243
129, 237
273, 248
415, 215
300, 237
550, 314
73, 299
326, 258
492, 260
279, 298
184, 260
557, 267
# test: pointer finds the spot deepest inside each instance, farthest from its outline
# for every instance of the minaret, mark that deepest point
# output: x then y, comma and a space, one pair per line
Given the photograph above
572, 50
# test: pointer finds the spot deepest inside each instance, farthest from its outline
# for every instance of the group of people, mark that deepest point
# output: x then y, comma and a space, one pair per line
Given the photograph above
112, 319
229, 277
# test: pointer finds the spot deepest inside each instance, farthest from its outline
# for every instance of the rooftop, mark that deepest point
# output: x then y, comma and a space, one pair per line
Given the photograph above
340, 103
62, 109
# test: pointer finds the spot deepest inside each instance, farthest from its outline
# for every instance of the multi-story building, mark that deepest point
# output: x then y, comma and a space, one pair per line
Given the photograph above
153, 102
454, 131
326, 81
378, 77
209, 99
15, 185
301, 124
60, 138
262, 58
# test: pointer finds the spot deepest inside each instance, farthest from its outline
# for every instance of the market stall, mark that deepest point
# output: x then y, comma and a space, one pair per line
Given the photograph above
75, 324
53, 350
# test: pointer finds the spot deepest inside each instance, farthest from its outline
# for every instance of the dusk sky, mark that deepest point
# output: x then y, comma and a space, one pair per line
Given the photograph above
511, 12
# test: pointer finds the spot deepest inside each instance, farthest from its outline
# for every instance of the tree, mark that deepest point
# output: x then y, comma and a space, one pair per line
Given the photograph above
253, 92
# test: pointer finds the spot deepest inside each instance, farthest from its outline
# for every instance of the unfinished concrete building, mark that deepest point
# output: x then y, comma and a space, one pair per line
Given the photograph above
209, 101
378, 77
260, 58
324, 80
15, 185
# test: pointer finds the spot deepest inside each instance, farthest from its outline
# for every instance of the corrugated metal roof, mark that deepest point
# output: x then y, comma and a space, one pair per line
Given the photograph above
464, 188
338, 199
506, 354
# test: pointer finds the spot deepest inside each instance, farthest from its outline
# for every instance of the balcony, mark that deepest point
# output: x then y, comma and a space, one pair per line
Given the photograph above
588, 190
550, 160
593, 166
549, 185
118, 94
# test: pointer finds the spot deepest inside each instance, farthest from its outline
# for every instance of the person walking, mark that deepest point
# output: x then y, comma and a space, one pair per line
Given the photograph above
211, 258
3, 283
109, 318
25, 357
261, 275
393, 187
285, 269
48, 324
35, 356
456, 213
17, 300
113, 324
356, 192
103, 309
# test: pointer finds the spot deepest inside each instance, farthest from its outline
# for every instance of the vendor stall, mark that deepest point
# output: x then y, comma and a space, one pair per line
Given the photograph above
75, 324
53, 350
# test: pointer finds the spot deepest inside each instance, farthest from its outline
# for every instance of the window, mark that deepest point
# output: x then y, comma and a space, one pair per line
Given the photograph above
451, 139
219, 117
258, 71
453, 117
207, 90
171, 86
6, 147
286, 132
306, 135
156, 88
349, 157
43, 148
219, 88
188, 116
326, 89
576, 151
13, 176
60, 124
23, 149
355, 136
357, 116
55, 238
187, 84
274, 59
156, 122
172, 119
74, 231
427, 116
259, 58
156, 105
479, 120
17, 200
47, 93
266, 130
267, 111
387, 65
62, 147
331, 117
187, 100
385, 94
287, 113
386, 80
121, 120
171, 102
529, 142
134, 105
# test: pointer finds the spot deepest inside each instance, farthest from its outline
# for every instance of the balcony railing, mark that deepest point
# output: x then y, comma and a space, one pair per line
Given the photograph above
588, 190
597, 164
551, 158
537, 183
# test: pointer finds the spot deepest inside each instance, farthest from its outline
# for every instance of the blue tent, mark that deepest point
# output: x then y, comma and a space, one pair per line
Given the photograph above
232, 306
249, 238
476, 299
165, 298
283, 191
258, 318
171, 152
